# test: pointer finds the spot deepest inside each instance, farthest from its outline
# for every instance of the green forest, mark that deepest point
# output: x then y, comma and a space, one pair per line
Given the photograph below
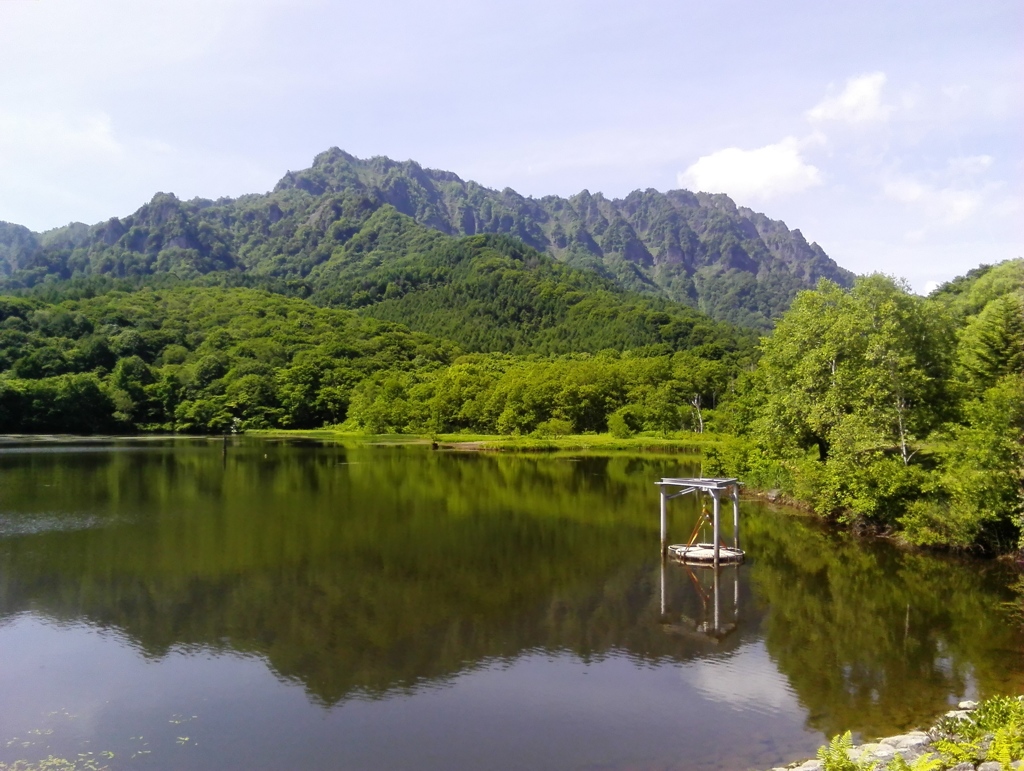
872, 405
884, 409
336, 302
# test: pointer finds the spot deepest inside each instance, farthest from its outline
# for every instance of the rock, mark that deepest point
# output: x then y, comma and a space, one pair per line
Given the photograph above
910, 754
990, 765
915, 740
811, 765
880, 752
963, 767
967, 705
962, 714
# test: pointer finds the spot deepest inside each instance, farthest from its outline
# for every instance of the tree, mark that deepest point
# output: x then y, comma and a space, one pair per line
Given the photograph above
992, 343
859, 377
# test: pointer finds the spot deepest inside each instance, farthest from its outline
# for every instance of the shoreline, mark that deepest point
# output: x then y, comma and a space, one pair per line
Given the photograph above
976, 736
684, 444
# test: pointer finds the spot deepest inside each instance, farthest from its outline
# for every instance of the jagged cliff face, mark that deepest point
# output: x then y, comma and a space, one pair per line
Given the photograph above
703, 250
733, 263
17, 246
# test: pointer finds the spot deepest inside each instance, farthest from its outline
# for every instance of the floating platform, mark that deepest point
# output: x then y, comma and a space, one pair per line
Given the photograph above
704, 554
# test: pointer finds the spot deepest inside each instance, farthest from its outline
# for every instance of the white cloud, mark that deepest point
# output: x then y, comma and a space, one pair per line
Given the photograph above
860, 102
946, 204
970, 165
766, 172
56, 136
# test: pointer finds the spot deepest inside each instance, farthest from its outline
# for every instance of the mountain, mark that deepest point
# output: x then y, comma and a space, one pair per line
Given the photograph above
731, 262
699, 249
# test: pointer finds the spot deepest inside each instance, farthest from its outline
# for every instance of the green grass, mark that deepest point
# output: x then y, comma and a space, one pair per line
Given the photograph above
682, 443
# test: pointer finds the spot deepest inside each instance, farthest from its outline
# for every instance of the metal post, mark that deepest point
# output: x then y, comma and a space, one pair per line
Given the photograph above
718, 604
664, 524
717, 523
736, 516
663, 587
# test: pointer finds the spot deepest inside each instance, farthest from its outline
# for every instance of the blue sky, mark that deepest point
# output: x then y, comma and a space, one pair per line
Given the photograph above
888, 132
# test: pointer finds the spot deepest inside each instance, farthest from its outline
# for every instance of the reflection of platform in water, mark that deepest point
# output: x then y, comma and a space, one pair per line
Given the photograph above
712, 626
704, 554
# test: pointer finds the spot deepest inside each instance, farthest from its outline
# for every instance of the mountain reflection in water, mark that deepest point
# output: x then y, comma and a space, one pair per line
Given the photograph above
376, 576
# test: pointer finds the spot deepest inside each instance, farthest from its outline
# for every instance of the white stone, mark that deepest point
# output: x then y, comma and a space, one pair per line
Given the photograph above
967, 705
990, 765
959, 713
913, 740
882, 752
811, 765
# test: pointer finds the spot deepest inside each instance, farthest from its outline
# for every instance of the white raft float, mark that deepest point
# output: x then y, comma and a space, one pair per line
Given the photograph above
704, 554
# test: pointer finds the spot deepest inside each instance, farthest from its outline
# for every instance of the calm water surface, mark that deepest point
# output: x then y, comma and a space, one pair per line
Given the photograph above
288, 604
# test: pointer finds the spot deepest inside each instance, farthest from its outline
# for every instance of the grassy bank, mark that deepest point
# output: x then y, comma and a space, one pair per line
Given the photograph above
681, 443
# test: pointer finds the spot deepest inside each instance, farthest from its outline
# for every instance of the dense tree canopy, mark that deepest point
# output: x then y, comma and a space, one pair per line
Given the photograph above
217, 359
191, 359
878, 406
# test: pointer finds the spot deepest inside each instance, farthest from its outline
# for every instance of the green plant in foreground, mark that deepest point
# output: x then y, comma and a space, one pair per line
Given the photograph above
999, 712
927, 762
957, 727
1001, 717
954, 752
836, 755
1007, 745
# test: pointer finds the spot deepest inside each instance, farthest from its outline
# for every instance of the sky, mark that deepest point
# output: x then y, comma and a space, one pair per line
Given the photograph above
892, 133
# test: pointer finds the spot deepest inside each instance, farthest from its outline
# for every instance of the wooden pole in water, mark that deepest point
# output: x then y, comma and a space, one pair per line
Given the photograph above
664, 524
717, 524
736, 516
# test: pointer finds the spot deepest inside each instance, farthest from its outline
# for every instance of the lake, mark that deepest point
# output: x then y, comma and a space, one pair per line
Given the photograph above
268, 604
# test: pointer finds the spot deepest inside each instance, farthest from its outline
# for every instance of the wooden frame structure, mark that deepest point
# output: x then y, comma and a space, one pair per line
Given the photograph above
715, 488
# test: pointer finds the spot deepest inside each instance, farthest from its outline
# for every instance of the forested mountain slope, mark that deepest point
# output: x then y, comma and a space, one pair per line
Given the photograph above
731, 262
697, 249
486, 293
493, 293
201, 359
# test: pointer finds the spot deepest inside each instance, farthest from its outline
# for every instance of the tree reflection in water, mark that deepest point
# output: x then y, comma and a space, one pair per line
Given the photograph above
369, 571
